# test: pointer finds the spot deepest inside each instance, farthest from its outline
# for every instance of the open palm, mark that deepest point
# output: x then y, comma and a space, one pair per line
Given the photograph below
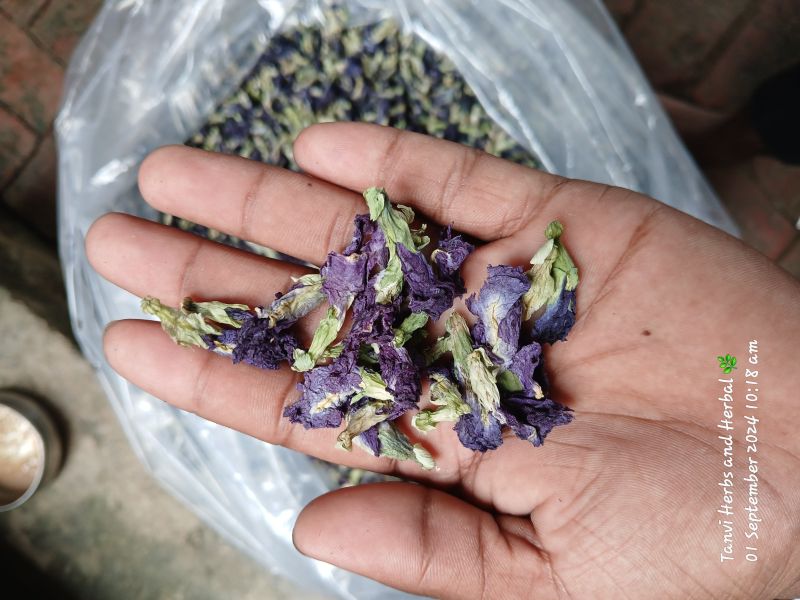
620, 503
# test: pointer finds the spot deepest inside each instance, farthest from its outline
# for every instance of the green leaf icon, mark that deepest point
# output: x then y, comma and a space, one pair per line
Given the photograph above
727, 363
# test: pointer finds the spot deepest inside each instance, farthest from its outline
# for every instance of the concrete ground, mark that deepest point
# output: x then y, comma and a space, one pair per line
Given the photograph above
104, 529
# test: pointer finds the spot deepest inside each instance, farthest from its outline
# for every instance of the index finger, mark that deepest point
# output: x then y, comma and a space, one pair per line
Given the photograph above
476, 192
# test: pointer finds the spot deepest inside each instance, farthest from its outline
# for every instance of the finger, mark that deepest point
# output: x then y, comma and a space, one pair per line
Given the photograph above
249, 399
288, 212
148, 259
421, 541
237, 396
478, 193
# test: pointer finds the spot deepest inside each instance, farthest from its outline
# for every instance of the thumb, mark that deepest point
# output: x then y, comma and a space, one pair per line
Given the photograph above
422, 541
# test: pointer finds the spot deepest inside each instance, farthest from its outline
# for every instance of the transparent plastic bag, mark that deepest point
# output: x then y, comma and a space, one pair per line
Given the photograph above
555, 75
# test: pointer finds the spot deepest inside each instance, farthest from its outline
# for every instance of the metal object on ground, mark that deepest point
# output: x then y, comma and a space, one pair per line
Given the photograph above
30, 448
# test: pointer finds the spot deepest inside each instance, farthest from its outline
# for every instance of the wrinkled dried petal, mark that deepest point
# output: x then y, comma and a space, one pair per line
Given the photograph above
450, 254
343, 277
362, 416
185, 328
524, 365
370, 441
556, 321
262, 346
395, 444
368, 239
426, 292
498, 307
325, 392
532, 419
219, 312
479, 433
401, 376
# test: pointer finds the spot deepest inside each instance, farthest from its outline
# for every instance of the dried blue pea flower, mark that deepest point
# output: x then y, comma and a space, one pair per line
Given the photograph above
343, 278
303, 297
250, 339
401, 375
368, 239
447, 397
367, 377
426, 292
557, 319
479, 432
532, 419
325, 391
394, 222
185, 325
499, 311
550, 302
385, 439
524, 368
479, 429
256, 343
450, 254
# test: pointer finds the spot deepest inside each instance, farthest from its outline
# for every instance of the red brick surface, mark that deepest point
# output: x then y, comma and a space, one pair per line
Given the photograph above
763, 227
768, 43
21, 11
62, 24
16, 144
673, 39
32, 194
30, 81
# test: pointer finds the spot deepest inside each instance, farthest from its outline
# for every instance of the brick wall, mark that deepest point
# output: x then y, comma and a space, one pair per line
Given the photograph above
36, 40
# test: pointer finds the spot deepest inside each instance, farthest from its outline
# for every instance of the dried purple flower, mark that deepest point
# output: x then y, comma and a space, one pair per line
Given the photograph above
480, 428
450, 254
368, 239
343, 277
304, 296
477, 431
394, 222
499, 310
259, 345
426, 292
523, 366
401, 376
370, 441
551, 298
532, 419
557, 319
325, 392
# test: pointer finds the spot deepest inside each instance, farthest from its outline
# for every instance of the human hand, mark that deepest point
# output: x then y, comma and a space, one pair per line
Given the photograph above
620, 503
